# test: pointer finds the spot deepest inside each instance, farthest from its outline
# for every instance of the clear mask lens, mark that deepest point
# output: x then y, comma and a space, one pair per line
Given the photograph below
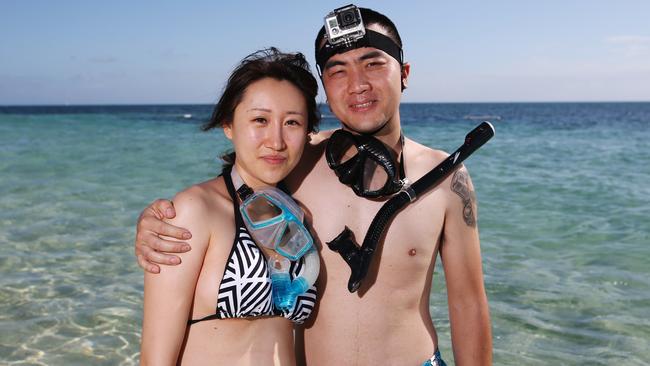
274, 225
375, 176
266, 236
294, 241
261, 210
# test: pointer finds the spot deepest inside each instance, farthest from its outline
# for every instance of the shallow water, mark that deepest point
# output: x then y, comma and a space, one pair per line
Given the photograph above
564, 204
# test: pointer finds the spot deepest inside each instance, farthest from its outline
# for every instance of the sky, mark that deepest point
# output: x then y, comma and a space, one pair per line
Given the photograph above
157, 52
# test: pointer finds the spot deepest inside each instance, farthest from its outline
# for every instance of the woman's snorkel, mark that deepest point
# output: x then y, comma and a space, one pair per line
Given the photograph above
285, 291
358, 257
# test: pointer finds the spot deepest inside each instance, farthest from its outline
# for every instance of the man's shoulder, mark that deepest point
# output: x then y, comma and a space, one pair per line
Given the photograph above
425, 159
422, 158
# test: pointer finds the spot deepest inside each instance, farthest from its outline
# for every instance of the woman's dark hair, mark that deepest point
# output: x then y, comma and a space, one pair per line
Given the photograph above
266, 63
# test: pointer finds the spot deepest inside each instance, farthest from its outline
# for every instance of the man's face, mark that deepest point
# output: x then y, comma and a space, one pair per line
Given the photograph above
363, 88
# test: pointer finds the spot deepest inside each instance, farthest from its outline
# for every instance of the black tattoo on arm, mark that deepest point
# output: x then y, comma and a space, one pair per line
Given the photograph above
460, 185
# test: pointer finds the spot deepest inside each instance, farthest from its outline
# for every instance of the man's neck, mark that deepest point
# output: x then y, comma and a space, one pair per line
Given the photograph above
390, 135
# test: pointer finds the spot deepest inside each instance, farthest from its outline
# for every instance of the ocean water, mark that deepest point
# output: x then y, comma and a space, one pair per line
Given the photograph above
564, 207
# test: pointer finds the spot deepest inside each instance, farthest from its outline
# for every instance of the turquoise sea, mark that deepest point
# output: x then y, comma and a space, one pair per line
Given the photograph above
564, 208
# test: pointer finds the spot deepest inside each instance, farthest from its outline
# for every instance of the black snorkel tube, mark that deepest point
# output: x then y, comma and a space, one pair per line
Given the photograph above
360, 258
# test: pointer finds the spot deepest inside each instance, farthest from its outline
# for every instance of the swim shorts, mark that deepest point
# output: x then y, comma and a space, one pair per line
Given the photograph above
435, 360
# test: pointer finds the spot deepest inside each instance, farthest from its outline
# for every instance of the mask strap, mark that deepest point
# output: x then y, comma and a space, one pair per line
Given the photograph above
243, 190
402, 173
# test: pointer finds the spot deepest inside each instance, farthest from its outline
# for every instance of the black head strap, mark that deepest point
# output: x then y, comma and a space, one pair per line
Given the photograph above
370, 39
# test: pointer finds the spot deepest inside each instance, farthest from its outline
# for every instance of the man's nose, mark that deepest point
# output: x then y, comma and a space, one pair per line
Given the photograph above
357, 81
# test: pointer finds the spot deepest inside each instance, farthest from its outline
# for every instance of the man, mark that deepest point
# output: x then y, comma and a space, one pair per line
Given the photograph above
387, 321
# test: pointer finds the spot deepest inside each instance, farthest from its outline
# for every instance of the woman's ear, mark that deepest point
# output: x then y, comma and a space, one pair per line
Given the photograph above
227, 130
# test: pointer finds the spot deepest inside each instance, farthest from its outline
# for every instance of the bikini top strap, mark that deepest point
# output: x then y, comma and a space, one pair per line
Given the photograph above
283, 187
226, 174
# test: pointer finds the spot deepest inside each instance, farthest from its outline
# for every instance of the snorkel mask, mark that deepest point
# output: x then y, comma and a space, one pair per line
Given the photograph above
365, 164
275, 221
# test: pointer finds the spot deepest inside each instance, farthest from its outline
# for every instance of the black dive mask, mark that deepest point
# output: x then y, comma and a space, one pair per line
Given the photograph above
365, 164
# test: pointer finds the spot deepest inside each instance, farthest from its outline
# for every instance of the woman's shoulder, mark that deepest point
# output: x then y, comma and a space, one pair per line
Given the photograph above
207, 198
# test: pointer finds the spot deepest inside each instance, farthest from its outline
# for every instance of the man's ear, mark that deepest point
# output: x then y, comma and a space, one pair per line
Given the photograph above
406, 69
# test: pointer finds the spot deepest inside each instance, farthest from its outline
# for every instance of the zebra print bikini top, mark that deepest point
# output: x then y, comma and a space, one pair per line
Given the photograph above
245, 289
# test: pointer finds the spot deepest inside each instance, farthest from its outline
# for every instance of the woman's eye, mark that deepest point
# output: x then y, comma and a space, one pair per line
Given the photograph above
260, 120
293, 122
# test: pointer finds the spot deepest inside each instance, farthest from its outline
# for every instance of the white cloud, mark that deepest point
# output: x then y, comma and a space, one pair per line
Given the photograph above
631, 45
628, 40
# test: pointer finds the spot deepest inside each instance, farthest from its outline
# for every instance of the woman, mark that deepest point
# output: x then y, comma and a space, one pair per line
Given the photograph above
267, 110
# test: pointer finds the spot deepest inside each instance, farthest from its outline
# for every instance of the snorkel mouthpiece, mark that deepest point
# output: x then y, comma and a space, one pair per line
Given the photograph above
354, 256
346, 246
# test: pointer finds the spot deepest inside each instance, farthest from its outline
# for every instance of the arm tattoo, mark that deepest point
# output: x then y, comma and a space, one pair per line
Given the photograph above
460, 185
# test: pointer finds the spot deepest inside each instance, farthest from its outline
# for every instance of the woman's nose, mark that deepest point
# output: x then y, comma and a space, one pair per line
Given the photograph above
275, 138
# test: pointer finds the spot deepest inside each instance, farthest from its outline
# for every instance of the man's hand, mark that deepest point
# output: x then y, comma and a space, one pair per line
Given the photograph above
148, 242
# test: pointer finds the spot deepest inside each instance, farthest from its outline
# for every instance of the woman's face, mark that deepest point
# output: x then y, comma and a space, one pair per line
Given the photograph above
268, 131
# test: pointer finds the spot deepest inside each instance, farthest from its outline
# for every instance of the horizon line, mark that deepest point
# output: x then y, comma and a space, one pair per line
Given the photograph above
319, 103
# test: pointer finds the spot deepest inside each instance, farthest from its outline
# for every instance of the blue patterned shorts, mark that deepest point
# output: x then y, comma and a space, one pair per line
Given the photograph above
436, 360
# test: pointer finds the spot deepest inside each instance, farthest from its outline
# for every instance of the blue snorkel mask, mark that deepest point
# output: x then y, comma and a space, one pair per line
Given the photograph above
275, 221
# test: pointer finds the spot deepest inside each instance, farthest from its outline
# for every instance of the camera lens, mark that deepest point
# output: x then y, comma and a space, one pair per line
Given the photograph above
348, 18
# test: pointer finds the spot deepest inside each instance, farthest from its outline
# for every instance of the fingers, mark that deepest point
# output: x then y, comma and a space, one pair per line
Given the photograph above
149, 257
148, 241
151, 224
159, 244
147, 266
166, 207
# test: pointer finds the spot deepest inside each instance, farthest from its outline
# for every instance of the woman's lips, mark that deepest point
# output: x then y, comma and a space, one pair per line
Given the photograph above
274, 159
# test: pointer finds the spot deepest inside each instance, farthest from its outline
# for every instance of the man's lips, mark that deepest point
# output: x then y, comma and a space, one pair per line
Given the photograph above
360, 107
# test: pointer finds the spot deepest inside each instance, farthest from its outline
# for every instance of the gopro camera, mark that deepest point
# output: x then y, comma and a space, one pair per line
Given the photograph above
344, 25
